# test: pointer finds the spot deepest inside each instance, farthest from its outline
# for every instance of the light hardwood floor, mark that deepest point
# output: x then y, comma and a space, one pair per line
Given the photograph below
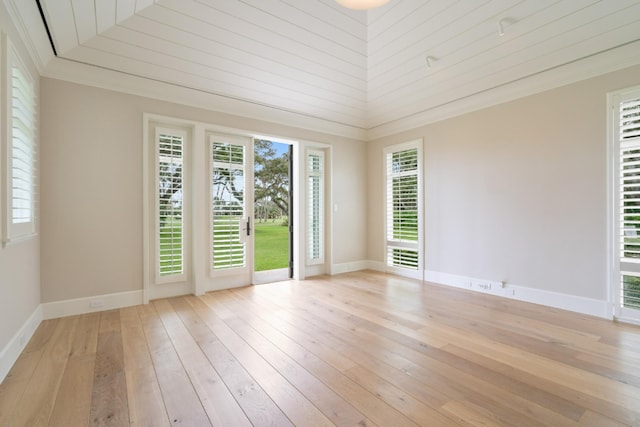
358, 349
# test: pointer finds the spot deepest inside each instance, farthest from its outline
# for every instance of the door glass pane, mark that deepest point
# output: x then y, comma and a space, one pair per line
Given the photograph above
228, 205
170, 204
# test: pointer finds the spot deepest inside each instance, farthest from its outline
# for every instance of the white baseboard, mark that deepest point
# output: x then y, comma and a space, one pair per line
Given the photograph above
578, 304
349, 267
12, 350
559, 300
71, 307
376, 266
314, 270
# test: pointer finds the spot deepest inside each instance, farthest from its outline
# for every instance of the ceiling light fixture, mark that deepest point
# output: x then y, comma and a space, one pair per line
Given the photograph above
501, 24
361, 4
430, 60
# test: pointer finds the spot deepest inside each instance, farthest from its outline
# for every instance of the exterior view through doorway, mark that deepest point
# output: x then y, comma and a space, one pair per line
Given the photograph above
273, 237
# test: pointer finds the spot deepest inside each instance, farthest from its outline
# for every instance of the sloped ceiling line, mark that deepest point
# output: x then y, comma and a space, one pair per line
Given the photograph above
46, 27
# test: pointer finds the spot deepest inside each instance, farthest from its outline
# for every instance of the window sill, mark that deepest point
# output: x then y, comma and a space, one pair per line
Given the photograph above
18, 239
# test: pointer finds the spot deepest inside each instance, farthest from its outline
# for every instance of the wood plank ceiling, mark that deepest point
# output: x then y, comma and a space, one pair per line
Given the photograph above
317, 59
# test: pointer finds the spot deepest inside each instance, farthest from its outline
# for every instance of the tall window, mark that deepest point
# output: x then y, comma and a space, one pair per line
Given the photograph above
170, 204
20, 149
627, 141
403, 208
315, 207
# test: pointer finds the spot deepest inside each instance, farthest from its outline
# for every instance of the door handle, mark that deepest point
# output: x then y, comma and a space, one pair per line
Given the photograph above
248, 226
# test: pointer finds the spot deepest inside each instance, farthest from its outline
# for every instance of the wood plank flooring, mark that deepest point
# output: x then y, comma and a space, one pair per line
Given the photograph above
358, 349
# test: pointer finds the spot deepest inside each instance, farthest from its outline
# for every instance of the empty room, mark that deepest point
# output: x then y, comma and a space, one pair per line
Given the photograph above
319, 212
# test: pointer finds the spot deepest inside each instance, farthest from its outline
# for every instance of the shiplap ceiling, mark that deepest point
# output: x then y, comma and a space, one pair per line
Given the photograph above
317, 59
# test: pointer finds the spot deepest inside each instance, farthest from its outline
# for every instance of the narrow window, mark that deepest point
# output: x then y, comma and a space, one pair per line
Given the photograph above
315, 207
170, 204
403, 208
627, 139
20, 150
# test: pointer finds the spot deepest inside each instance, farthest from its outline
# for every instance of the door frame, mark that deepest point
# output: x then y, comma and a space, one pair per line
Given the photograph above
198, 262
268, 276
151, 289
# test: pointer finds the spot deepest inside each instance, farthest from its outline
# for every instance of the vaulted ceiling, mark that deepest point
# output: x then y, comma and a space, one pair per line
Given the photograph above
317, 59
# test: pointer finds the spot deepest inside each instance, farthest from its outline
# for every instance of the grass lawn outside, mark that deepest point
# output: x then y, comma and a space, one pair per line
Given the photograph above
271, 246
171, 246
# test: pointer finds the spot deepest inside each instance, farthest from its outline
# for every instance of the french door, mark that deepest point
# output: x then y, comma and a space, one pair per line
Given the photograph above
231, 210
198, 224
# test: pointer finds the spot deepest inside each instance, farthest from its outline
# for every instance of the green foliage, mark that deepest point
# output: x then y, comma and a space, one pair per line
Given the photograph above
271, 173
405, 225
631, 291
170, 246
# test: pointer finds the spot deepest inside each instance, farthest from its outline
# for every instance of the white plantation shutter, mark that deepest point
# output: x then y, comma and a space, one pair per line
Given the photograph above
630, 119
228, 205
628, 135
315, 207
21, 150
403, 206
170, 202
630, 199
22, 145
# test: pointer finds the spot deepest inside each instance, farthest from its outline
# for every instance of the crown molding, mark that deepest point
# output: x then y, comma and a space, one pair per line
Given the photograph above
76, 72
27, 21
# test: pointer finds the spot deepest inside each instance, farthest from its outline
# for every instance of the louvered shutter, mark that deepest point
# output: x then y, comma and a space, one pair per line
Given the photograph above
22, 146
315, 207
629, 202
170, 202
403, 207
228, 205
21, 150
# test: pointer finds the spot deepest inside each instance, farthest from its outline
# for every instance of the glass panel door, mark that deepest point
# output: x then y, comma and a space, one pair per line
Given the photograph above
231, 185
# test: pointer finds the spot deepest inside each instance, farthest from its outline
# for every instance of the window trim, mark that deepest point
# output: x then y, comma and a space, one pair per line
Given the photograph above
310, 260
418, 273
151, 289
615, 259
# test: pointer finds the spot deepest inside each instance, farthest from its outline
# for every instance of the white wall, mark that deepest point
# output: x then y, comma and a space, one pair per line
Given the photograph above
516, 192
92, 186
19, 262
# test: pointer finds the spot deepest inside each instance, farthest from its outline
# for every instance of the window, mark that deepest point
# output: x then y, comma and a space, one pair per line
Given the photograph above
170, 148
315, 207
627, 141
20, 149
403, 208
